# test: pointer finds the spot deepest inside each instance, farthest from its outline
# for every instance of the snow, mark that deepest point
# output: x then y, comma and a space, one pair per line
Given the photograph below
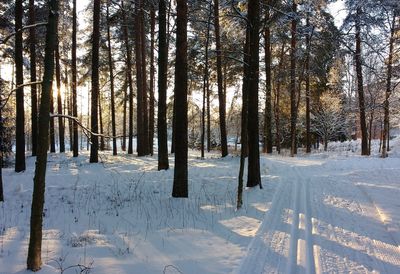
328, 212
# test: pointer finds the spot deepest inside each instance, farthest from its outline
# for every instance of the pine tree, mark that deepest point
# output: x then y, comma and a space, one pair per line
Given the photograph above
162, 87
32, 59
19, 80
221, 96
180, 185
74, 82
34, 260
94, 154
253, 177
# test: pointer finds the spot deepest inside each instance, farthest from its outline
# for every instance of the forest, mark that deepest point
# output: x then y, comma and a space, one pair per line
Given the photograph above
201, 136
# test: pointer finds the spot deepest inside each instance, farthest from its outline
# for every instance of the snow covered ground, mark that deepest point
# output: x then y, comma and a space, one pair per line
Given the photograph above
333, 212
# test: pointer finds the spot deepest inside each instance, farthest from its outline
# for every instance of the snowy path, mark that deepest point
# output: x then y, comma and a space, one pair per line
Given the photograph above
322, 220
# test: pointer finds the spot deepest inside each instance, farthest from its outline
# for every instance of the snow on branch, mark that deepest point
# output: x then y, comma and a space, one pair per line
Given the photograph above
3, 41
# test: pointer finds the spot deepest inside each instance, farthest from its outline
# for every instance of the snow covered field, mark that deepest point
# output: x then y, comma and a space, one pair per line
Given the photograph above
333, 212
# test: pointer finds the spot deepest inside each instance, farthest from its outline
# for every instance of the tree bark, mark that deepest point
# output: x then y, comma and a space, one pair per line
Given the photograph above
360, 85
293, 109
245, 94
277, 101
180, 185
34, 260
163, 163
52, 133
152, 72
388, 91
143, 46
129, 78
267, 142
61, 131
253, 175
19, 94
141, 149
102, 143
32, 59
74, 82
111, 71
308, 94
1, 144
205, 85
221, 97
123, 146
94, 157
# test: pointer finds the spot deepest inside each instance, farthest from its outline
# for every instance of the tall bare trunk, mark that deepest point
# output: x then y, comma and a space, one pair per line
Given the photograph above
59, 100
205, 84
293, 101
34, 260
180, 185
360, 85
129, 78
94, 157
152, 72
19, 94
253, 174
32, 59
162, 87
74, 82
111, 71
388, 92
267, 142
221, 97
308, 94
277, 101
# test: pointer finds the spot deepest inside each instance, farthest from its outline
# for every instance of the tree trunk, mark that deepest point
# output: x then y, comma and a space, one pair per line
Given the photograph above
267, 142
94, 157
277, 101
1, 143
308, 94
152, 72
52, 133
32, 51
143, 46
59, 100
221, 97
68, 98
293, 109
111, 71
102, 143
205, 84
180, 185
129, 78
74, 81
360, 85
245, 94
123, 146
162, 88
253, 175
19, 94
34, 260
141, 149
388, 92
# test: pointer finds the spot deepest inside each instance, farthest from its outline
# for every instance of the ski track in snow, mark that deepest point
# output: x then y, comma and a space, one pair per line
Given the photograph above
316, 214
322, 224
